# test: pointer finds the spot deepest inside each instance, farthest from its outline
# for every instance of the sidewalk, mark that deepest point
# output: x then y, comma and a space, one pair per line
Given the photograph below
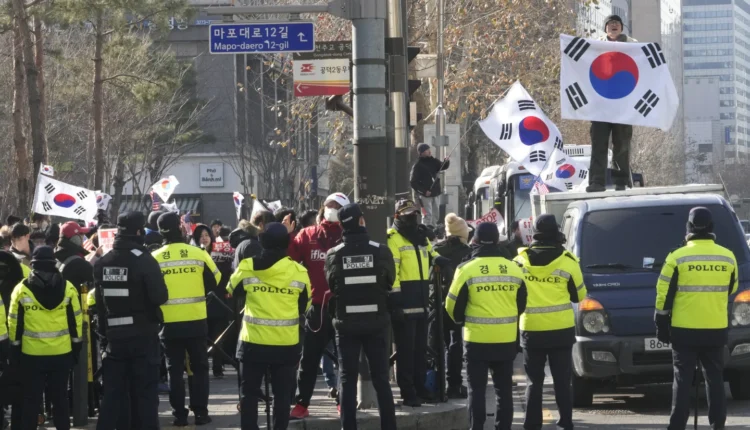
323, 414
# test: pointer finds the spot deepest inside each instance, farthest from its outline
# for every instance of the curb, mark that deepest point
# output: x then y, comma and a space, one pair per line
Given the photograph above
445, 416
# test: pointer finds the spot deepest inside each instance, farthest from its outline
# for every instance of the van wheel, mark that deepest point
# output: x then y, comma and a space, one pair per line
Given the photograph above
739, 385
582, 391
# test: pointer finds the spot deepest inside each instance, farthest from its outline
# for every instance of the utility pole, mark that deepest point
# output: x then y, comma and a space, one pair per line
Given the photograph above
369, 108
441, 140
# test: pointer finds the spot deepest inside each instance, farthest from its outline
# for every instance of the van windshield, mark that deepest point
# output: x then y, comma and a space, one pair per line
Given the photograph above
637, 239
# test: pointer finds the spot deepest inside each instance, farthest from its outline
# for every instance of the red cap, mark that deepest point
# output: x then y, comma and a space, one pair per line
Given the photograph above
71, 228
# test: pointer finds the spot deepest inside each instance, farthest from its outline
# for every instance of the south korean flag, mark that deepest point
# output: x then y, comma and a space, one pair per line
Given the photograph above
616, 82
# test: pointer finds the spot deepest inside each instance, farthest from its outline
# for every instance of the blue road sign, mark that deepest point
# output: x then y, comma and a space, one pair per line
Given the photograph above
256, 38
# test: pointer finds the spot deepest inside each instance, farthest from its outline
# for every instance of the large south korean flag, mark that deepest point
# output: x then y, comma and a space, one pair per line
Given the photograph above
616, 82
520, 128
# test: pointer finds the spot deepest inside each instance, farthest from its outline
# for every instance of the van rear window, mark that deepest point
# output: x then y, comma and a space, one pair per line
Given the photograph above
631, 238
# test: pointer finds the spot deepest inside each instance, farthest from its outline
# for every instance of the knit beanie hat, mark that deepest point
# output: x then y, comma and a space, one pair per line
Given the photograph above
456, 226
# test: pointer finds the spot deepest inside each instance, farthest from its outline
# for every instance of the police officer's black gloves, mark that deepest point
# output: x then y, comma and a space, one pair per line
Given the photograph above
442, 262
14, 357
662, 328
4, 351
77, 351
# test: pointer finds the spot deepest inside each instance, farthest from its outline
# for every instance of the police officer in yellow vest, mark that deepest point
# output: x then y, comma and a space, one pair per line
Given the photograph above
45, 328
553, 280
412, 254
487, 295
692, 296
276, 293
189, 274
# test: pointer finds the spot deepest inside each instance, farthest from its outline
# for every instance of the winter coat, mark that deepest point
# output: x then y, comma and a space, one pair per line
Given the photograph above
73, 266
309, 248
424, 172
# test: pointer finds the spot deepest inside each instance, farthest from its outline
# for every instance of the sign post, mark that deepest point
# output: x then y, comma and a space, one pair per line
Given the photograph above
261, 37
368, 85
324, 72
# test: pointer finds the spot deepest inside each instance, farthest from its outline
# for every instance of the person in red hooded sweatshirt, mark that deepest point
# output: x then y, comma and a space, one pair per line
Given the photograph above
309, 248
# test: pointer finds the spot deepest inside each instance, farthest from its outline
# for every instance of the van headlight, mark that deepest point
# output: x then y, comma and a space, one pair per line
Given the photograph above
741, 309
593, 316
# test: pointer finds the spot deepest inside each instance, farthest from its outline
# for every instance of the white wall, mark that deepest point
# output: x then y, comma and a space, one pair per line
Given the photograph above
187, 170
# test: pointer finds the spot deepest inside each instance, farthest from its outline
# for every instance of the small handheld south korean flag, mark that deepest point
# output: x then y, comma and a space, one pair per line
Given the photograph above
53, 197
238, 200
102, 200
48, 170
616, 82
520, 128
165, 187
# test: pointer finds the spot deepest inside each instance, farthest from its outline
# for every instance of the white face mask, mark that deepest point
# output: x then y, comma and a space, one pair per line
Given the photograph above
331, 215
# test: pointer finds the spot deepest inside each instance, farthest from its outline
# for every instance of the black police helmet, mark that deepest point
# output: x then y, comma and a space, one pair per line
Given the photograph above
545, 228
169, 222
349, 216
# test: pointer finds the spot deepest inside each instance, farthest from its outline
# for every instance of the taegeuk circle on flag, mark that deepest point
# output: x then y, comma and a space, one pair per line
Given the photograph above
565, 171
532, 130
613, 75
64, 200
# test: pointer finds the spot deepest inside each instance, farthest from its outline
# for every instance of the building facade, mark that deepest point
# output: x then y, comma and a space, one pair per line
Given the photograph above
716, 35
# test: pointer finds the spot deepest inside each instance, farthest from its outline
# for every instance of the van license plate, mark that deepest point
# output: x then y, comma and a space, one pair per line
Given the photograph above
653, 344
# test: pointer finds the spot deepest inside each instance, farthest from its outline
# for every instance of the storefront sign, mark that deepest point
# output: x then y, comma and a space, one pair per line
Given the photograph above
211, 175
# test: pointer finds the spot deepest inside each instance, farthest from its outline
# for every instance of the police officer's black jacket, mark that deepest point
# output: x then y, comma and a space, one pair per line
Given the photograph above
489, 351
248, 248
542, 253
272, 353
129, 266
74, 268
10, 275
456, 251
359, 257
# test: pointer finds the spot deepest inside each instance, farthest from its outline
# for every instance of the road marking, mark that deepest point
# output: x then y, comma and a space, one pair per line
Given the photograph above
547, 416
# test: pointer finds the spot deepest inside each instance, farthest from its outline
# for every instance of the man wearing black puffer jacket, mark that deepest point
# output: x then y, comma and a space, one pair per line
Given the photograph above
455, 248
425, 182
70, 255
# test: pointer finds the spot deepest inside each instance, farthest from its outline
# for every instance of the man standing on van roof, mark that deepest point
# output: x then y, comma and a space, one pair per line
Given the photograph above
600, 132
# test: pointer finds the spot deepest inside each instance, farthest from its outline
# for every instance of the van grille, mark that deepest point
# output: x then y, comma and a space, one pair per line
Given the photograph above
652, 358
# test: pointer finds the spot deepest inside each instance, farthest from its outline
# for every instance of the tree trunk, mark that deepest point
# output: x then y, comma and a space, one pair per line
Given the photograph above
39, 45
97, 106
19, 139
38, 141
118, 182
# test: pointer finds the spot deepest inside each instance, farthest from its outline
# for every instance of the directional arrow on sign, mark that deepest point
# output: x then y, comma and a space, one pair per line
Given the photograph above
299, 88
302, 37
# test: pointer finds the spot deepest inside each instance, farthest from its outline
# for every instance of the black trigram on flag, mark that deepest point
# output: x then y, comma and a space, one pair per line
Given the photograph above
575, 96
558, 143
535, 156
583, 173
647, 103
654, 55
506, 131
569, 185
79, 210
46, 206
81, 195
549, 177
561, 161
576, 48
526, 105
49, 188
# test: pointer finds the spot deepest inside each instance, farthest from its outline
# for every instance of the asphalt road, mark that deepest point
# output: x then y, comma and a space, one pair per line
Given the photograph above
638, 408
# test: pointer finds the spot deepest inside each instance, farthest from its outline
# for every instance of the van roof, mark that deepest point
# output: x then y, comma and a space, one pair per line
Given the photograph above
628, 202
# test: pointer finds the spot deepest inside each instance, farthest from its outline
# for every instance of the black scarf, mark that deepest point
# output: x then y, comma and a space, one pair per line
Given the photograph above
412, 232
